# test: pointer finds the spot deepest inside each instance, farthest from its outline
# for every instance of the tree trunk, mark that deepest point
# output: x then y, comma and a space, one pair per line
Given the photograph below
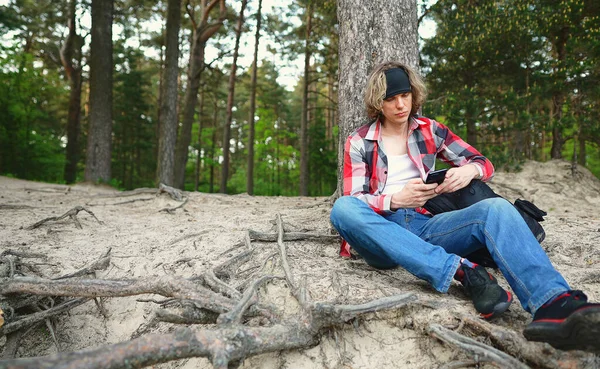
304, 173
366, 39
202, 31
558, 97
70, 56
168, 110
250, 169
199, 143
230, 99
98, 155
213, 144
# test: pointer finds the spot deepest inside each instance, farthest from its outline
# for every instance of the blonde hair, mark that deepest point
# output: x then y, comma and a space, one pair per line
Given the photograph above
377, 85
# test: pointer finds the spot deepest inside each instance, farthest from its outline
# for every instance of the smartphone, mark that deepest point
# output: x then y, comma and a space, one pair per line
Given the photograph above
437, 176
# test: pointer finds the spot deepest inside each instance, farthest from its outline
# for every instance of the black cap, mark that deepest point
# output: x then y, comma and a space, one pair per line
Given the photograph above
397, 82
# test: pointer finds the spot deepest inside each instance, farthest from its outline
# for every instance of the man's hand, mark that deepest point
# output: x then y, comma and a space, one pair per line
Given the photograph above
415, 194
457, 178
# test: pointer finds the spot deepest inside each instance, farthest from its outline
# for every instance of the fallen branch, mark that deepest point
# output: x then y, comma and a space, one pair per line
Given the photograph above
71, 214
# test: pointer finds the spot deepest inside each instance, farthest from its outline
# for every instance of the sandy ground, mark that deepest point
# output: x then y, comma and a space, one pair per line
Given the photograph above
145, 243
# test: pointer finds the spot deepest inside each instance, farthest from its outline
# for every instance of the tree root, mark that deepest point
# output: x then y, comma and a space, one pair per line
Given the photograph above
480, 351
172, 210
539, 355
293, 236
221, 345
71, 214
165, 286
232, 324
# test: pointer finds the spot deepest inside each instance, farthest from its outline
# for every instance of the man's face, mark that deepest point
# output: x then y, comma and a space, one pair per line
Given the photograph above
396, 109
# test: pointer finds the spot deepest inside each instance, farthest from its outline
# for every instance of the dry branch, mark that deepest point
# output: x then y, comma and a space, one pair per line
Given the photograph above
71, 214
221, 346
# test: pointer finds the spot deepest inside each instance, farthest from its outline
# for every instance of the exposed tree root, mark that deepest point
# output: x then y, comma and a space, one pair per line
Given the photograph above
172, 210
165, 286
293, 236
230, 322
220, 345
71, 214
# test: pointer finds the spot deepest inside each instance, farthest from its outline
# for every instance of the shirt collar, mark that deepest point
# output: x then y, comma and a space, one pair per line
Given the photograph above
374, 132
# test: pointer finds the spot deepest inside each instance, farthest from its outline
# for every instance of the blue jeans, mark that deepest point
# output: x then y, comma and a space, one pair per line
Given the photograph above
431, 247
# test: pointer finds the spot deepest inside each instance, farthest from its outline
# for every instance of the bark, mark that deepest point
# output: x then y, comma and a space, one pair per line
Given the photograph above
213, 144
369, 34
558, 97
230, 100
70, 56
202, 31
98, 154
168, 110
304, 171
251, 129
199, 143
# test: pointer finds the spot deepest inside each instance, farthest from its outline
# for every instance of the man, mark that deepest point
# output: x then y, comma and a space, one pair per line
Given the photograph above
385, 165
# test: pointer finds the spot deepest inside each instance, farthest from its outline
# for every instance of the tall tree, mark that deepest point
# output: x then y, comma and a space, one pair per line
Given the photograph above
98, 154
202, 30
230, 101
70, 56
304, 173
366, 39
251, 120
168, 109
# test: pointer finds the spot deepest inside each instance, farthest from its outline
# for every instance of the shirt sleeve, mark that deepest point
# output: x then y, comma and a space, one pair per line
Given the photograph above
357, 177
458, 153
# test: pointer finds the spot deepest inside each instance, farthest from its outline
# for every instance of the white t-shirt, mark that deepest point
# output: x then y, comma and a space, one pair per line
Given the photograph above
400, 170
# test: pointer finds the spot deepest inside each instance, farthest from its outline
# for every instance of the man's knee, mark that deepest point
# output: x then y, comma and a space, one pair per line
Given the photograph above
344, 210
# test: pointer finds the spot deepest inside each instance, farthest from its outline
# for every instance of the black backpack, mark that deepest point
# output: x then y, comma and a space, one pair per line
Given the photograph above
475, 192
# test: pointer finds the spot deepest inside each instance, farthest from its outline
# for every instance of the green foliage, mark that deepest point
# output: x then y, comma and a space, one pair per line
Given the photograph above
134, 142
31, 144
516, 76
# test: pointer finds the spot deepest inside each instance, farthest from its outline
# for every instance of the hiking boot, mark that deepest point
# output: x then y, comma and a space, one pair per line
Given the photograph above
568, 322
489, 298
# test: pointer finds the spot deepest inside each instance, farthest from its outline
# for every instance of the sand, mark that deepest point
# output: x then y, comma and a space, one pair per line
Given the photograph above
146, 243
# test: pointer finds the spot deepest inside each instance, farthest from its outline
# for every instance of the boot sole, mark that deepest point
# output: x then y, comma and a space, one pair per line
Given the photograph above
580, 331
498, 309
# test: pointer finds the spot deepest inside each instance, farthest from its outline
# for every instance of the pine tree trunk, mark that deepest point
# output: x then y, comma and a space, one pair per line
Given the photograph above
366, 39
199, 143
70, 56
202, 31
251, 129
304, 171
98, 154
230, 100
168, 110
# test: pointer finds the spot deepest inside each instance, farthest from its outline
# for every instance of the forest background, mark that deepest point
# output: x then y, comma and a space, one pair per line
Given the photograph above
517, 79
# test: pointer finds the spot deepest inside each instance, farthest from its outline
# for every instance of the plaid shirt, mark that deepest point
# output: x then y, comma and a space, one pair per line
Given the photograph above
365, 162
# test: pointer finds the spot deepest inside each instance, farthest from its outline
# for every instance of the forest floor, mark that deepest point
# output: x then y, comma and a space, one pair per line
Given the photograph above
145, 242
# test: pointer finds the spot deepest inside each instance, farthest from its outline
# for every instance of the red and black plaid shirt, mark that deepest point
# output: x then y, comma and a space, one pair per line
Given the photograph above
365, 163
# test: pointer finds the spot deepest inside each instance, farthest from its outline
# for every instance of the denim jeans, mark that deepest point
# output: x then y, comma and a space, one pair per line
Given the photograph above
431, 247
